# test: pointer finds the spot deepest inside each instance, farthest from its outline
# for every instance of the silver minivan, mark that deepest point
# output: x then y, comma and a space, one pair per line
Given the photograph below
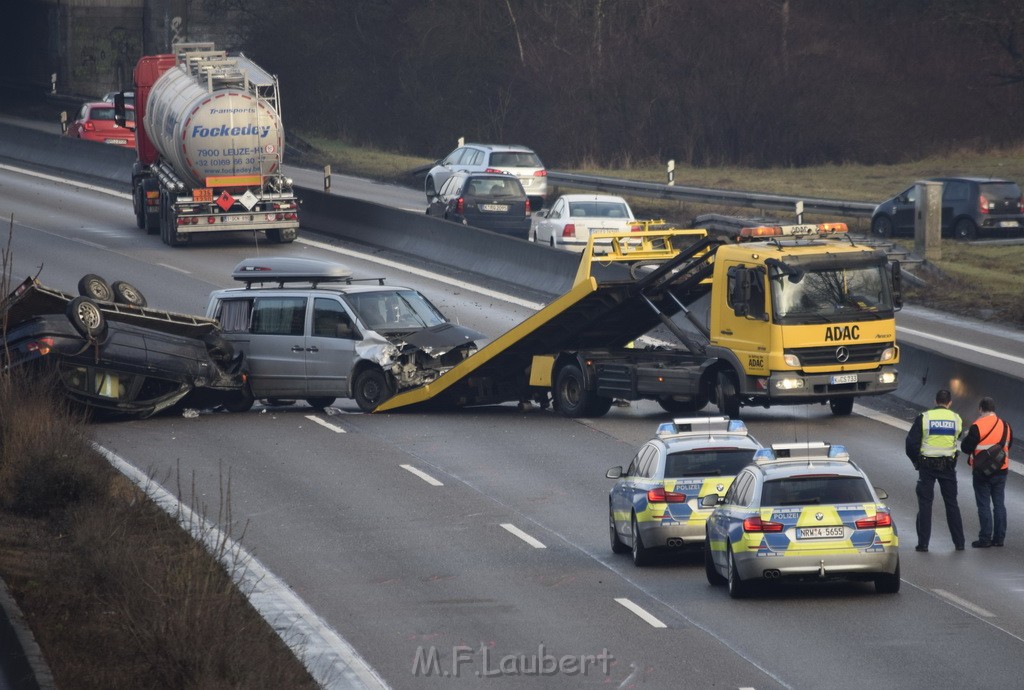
311, 331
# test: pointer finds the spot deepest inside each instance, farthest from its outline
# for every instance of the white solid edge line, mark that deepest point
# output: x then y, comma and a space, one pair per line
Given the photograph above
64, 180
963, 603
422, 475
326, 425
654, 622
328, 657
523, 535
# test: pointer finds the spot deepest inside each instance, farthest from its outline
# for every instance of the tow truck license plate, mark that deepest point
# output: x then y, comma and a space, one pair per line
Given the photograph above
844, 378
494, 207
819, 532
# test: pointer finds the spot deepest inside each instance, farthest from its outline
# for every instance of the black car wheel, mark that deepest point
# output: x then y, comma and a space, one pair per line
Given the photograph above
86, 317
881, 226
965, 230
126, 293
429, 189
617, 545
714, 577
641, 554
371, 388
737, 587
888, 584
94, 287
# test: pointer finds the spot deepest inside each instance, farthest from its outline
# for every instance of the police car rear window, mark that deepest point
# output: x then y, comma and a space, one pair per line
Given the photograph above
709, 462
814, 490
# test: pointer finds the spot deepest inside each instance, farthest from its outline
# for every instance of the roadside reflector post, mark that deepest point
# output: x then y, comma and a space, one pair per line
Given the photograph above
53, 83
64, 121
928, 220
671, 172
799, 212
327, 178
462, 141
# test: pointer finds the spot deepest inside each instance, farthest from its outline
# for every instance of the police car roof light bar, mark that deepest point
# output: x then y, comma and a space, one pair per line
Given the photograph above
701, 425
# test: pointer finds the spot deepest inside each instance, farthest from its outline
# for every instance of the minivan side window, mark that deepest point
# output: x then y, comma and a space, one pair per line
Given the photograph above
279, 316
330, 320
234, 315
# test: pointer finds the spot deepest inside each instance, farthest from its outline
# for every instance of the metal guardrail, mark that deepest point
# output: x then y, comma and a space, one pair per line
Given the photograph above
654, 190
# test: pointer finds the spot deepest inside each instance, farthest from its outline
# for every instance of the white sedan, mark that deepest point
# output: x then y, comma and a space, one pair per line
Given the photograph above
571, 220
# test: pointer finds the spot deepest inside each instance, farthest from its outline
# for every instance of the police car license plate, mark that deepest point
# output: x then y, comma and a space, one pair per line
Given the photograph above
819, 532
494, 207
844, 378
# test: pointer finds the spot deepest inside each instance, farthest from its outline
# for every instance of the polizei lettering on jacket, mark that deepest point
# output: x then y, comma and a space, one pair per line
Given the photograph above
201, 132
834, 333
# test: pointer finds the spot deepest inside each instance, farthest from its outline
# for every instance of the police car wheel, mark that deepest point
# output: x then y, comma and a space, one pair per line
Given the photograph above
617, 545
714, 577
641, 554
737, 587
888, 584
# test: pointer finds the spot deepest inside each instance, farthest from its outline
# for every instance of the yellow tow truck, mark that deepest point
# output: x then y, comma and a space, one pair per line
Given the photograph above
789, 314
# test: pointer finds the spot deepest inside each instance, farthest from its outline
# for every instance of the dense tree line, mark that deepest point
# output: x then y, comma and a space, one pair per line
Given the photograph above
706, 82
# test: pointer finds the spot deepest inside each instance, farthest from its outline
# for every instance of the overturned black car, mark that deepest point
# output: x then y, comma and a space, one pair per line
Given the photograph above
113, 354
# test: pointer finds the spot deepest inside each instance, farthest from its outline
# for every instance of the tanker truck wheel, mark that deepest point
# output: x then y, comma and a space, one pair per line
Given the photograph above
278, 236
139, 204
145, 220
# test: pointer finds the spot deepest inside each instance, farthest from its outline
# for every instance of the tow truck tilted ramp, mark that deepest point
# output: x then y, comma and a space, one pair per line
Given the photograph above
606, 313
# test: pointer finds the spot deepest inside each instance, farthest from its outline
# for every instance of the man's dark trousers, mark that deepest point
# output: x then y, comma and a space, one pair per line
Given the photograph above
989, 493
926, 478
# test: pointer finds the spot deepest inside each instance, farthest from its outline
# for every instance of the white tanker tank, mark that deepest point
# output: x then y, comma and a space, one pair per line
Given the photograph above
203, 118
210, 143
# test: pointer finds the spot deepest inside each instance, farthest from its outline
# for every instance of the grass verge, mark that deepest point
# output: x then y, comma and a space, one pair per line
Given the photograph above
115, 592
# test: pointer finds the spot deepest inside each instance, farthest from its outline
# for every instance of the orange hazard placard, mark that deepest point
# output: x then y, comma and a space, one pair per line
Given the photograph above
202, 195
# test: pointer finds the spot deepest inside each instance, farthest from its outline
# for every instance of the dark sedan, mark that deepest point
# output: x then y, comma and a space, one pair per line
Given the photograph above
118, 359
492, 201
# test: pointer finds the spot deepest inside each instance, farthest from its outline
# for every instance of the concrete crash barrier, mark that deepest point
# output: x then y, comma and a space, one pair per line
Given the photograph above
83, 160
22, 664
508, 259
922, 372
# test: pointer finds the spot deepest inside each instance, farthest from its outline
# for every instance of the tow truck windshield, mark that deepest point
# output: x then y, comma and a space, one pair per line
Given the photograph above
824, 296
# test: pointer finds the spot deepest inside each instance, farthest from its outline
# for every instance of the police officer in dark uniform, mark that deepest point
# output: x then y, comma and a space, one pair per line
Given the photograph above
932, 446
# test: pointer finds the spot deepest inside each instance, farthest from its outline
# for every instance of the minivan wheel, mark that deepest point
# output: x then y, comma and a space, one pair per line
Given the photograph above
320, 403
371, 388
881, 226
965, 230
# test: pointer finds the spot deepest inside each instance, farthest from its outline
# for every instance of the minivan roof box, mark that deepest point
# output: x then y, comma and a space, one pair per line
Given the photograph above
286, 269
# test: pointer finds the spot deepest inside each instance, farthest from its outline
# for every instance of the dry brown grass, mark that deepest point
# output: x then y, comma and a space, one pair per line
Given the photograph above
116, 593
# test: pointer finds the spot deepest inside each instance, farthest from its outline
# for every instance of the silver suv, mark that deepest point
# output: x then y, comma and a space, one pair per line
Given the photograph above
494, 158
311, 331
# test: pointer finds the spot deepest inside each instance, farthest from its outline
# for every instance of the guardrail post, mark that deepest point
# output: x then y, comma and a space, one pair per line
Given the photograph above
928, 220
327, 178
671, 172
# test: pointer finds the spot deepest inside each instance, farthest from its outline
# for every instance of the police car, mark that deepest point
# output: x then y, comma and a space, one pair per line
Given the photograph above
656, 502
801, 511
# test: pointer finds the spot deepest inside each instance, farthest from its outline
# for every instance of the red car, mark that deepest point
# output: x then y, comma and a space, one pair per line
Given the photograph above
95, 122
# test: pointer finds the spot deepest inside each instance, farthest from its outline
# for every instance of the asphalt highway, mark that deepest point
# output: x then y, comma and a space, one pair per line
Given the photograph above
472, 546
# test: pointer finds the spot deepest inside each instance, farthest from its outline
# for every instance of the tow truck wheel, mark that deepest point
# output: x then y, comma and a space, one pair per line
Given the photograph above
94, 287
370, 389
86, 317
572, 397
841, 407
126, 293
726, 398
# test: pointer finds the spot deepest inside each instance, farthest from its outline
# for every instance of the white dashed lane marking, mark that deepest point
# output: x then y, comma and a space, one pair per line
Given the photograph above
422, 475
523, 535
649, 618
326, 425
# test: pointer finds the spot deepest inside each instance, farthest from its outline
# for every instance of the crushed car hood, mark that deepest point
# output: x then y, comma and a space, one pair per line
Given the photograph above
439, 339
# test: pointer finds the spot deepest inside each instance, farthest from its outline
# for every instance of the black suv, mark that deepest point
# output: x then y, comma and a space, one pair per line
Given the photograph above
970, 206
492, 201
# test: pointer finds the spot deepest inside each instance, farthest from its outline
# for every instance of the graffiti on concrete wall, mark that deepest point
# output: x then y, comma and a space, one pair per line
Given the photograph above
102, 56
